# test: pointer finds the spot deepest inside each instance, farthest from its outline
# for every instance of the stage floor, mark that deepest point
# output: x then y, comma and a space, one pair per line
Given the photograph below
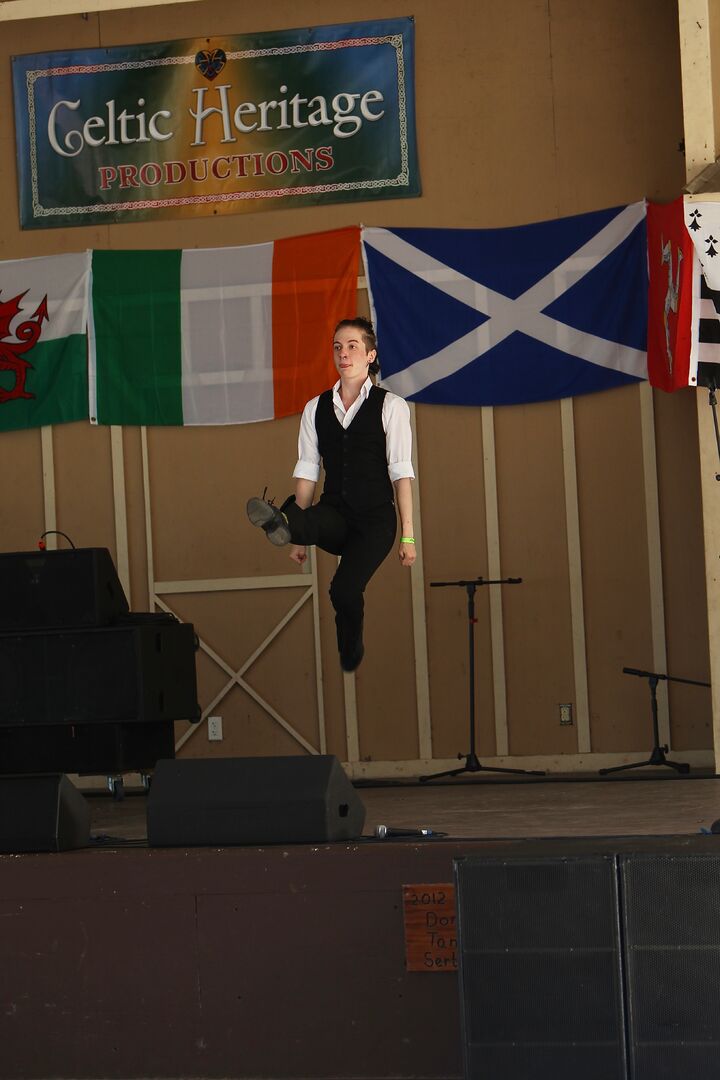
642, 805
284, 961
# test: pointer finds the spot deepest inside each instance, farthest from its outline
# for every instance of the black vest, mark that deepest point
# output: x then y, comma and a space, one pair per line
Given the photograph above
354, 458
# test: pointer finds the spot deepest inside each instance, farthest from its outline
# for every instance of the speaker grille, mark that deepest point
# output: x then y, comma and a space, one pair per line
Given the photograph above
672, 934
540, 968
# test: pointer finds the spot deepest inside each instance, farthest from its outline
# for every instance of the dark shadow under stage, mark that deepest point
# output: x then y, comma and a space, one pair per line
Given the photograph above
282, 961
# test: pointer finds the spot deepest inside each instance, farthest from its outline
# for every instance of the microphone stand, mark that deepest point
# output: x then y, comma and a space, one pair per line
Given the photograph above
657, 755
472, 765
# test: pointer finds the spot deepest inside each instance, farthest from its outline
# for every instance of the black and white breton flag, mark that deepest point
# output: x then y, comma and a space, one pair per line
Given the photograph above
702, 220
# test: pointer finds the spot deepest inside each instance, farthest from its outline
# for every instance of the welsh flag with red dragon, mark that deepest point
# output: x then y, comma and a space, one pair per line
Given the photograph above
43, 340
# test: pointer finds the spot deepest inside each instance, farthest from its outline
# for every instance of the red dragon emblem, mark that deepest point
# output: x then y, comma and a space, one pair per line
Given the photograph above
12, 352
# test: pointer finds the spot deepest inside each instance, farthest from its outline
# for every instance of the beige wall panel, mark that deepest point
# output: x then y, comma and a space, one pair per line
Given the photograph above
210, 681
450, 467
714, 40
22, 514
536, 614
200, 480
683, 567
485, 98
613, 538
285, 677
257, 733
247, 728
83, 485
234, 625
618, 108
246, 733
135, 503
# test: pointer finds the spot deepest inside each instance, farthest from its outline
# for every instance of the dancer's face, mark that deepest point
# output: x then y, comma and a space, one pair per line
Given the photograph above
351, 357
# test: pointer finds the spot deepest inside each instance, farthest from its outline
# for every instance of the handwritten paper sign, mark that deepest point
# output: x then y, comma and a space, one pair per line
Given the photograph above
430, 927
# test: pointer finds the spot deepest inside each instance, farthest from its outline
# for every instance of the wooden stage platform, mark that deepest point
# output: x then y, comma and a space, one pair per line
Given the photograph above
280, 961
650, 802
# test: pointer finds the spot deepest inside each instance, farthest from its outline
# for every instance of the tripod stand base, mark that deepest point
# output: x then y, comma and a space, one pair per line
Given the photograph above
472, 765
657, 757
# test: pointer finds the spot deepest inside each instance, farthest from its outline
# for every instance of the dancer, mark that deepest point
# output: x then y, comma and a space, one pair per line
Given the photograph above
361, 434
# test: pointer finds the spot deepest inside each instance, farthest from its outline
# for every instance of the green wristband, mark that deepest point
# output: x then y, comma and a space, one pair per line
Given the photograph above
407, 539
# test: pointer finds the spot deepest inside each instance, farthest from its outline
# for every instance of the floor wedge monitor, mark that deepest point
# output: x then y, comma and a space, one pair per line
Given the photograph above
252, 800
42, 813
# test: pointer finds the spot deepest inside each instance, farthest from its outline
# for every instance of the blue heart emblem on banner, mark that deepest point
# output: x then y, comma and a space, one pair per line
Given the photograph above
210, 62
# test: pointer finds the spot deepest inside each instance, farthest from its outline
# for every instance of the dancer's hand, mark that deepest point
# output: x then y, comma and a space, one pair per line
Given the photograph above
407, 554
298, 554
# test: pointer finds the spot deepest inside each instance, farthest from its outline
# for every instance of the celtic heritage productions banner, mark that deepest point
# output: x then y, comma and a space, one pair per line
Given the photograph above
216, 125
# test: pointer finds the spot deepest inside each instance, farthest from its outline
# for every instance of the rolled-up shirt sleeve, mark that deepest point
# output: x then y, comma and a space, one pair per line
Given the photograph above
398, 437
308, 464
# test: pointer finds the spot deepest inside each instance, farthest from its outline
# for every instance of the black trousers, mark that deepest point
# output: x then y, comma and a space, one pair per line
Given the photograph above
362, 539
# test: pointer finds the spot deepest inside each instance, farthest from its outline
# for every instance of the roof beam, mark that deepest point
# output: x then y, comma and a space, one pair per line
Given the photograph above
41, 9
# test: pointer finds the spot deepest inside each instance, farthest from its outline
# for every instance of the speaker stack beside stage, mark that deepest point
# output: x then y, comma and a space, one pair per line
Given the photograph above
88, 686
604, 965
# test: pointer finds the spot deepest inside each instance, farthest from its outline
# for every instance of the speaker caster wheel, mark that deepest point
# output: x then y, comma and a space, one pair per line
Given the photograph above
116, 787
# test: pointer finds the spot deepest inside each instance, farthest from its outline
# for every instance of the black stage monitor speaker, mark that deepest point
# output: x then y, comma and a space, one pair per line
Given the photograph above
540, 968
42, 813
253, 800
52, 589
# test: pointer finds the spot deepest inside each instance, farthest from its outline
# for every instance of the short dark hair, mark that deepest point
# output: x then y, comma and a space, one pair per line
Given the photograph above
367, 332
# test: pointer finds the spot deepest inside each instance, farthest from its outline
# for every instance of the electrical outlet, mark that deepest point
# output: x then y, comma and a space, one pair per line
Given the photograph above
214, 726
566, 716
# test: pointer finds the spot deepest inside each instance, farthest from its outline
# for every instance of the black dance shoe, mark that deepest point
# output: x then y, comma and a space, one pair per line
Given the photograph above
267, 517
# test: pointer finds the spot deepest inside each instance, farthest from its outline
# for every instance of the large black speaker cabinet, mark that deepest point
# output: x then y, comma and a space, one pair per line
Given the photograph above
540, 969
51, 589
671, 922
596, 965
262, 800
103, 749
42, 813
111, 674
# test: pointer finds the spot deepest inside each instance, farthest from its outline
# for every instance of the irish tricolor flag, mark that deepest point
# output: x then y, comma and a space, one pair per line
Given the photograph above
217, 335
43, 343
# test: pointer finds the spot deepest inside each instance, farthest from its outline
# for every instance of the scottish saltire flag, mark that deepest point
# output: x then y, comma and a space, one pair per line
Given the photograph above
505, 316
217, 335
43, 342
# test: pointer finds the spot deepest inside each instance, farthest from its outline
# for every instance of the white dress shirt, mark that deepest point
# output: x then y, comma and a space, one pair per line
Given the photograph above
396, 425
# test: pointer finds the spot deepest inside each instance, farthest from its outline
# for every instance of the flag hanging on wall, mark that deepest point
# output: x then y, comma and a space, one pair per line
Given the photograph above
217, 335
702, 220
43, 343
505, 316
673, 273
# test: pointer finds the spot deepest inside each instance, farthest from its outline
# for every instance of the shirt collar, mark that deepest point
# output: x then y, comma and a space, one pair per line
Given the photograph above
364, 391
